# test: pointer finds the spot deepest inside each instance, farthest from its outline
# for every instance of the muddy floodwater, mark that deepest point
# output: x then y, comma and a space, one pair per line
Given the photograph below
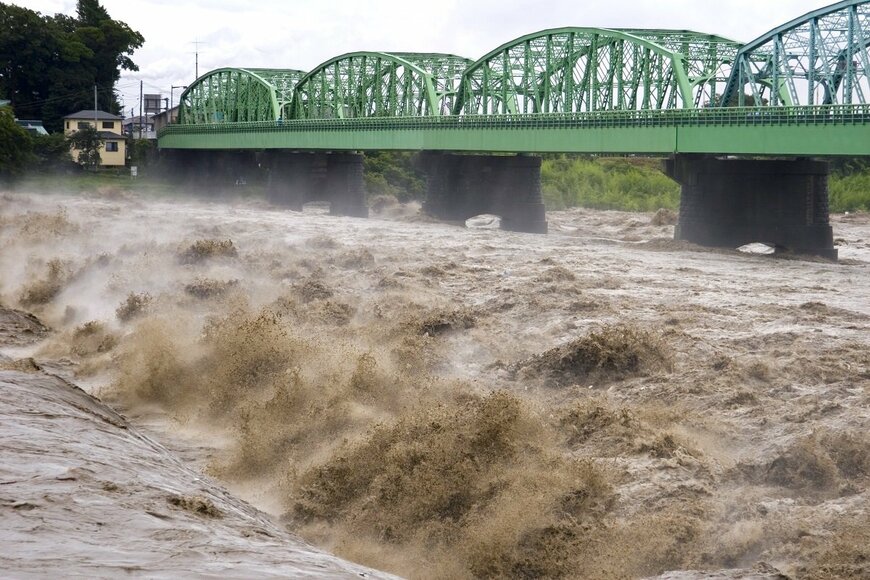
219, 387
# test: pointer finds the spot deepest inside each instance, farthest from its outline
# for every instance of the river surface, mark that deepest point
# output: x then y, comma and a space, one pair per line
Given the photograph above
425, 398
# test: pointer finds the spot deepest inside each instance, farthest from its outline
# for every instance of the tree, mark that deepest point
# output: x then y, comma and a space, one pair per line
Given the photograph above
87, 142
50, 64
14, 145
112, 43
51, 152
141, 151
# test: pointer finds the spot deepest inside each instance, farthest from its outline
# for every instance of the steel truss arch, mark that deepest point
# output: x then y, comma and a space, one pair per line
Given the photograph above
566, 70
232, 95
446, 71
379, 84
820, 58
708, 59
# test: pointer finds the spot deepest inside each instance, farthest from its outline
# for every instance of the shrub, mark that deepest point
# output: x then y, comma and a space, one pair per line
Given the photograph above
624, 184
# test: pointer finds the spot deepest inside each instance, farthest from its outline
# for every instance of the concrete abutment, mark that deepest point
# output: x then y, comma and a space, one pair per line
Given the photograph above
463, 186
733, 202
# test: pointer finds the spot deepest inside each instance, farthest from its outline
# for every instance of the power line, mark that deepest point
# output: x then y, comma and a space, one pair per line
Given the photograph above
80, 93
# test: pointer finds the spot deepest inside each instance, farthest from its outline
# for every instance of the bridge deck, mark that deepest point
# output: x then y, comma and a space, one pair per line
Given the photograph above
816, 131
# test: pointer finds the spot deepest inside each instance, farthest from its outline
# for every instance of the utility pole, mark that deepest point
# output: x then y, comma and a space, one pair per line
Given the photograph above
172, 94
196, 44
141, 102
95, 107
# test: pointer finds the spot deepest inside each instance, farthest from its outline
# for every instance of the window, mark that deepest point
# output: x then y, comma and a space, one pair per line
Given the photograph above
108, 124
111, 145
83, 125
67, 124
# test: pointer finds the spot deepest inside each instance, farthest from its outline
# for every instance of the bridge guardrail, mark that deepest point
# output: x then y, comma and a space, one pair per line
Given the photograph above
708, 117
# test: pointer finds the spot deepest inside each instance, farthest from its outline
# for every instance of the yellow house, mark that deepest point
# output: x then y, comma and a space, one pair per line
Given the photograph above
113, 152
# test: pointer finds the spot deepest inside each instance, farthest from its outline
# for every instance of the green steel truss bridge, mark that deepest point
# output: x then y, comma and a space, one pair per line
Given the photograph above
801, 89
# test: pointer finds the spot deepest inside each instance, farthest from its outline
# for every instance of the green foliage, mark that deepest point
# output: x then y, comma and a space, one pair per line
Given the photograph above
632, 184
51, 151
849, 184
394, 173
87, 141
15, 145
850, 192
848, 166
50, 64
142, 151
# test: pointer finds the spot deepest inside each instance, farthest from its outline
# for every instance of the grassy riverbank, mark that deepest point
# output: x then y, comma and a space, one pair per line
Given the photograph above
631, 184
850, 192
111, 183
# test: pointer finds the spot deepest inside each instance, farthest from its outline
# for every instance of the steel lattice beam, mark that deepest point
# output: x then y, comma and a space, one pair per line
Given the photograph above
590, 69
820, 58
446, 71
377, 84
236, 95
708, 59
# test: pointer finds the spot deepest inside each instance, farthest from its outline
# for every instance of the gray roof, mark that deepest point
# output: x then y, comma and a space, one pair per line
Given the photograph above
90, 115
32, 126
110, 135
137, 119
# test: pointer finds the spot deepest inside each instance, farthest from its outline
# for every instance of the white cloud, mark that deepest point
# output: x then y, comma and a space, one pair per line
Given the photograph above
303, 33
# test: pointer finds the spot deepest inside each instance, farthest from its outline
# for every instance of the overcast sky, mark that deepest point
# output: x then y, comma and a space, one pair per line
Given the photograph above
302, 33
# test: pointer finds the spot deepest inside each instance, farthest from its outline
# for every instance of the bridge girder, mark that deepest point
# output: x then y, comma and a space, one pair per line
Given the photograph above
567, 70
234, 95
820, 58
378, 84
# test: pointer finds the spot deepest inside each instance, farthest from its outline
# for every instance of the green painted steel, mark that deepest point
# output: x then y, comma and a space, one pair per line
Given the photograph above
585, 90
446, 71
237, 95
708, 59
820, 58
829, 130
377, 84
568, 70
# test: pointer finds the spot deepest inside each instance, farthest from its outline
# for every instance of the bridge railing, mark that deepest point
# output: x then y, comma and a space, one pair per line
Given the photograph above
706, 117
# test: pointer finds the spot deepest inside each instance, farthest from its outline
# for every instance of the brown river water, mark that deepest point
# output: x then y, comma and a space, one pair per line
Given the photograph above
261, 388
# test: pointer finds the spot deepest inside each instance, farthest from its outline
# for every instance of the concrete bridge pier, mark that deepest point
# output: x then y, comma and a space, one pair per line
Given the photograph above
522, 206
289, 180
296, 178
345, 186
733, 202
211, 170
185, 166
463, 186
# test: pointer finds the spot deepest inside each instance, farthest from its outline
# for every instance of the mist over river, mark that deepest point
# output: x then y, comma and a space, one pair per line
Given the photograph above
427, 399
